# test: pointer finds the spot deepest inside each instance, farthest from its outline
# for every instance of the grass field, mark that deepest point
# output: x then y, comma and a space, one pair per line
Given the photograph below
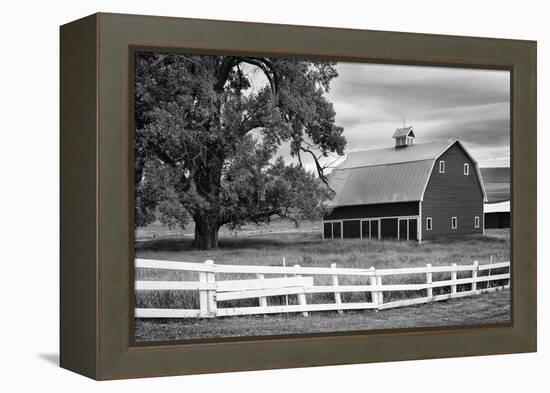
268, 246
157, 230
483, 309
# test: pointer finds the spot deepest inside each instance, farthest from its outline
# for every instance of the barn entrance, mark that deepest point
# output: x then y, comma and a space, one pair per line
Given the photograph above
408, 229
369, 228
372, 228
497, 220
332, 230
389, 228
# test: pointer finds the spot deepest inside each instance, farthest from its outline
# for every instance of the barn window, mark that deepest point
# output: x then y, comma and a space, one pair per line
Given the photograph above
428, 223
466, 169
476, 222
441, 166
453, 222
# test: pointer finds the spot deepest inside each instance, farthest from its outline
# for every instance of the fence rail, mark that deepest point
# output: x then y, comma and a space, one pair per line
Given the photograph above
299, 281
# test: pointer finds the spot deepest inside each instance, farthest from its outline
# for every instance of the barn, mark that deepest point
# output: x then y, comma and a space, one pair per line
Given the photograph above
497, 186
409, 191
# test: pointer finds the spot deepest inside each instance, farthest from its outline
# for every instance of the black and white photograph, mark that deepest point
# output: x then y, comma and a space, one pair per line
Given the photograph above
284, 196
246, 197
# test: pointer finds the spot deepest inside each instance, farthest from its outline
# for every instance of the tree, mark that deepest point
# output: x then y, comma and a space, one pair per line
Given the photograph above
206, 142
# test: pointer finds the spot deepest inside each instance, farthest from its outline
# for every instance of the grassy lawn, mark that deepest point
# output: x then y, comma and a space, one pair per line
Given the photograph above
268, 246
156, 229
483, 309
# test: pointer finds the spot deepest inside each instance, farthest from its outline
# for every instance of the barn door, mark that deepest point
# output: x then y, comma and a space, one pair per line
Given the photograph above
365, 229
374, 229
336, 230
327, 230
389, 228
413, 229
403, 229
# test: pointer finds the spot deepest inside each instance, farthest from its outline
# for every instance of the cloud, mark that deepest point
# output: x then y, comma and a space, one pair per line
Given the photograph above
420, 87
371, 101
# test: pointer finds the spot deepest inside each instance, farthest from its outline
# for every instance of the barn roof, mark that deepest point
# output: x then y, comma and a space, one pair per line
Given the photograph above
497, 183
386, 175
496, 174
391, 155
386, 183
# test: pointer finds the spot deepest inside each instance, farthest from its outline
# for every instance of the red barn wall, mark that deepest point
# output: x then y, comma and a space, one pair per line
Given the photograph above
452, 194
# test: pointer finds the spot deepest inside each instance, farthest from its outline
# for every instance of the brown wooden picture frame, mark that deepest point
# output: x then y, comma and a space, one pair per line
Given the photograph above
96, 266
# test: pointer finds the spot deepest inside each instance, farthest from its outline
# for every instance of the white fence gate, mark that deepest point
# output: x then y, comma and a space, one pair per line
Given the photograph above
299, 281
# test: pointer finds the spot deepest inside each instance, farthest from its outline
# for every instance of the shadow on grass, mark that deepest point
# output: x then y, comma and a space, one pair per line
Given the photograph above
311, 239
229, 243
491, 308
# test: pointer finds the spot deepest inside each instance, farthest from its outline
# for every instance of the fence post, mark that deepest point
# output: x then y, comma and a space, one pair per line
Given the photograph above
211, 294
301, 296
474, 275
380, 293
373, 282
453, 278
286, 296
430, 292
203, 296
337, 296
489, 271
263, 299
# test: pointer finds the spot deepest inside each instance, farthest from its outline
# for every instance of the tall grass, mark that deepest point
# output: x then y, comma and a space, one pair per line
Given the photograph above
484, 309
308, 249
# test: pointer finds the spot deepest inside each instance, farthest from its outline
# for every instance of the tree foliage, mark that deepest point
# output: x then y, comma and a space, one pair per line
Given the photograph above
206, 142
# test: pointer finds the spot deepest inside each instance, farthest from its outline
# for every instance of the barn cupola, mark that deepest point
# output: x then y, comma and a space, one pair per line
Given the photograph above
403, 137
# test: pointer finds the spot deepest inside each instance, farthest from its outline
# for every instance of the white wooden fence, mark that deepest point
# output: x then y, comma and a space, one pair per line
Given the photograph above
299, 281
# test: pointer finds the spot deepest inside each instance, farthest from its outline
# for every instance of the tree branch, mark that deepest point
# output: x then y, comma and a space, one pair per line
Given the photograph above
222, 72
267, 68
320, 169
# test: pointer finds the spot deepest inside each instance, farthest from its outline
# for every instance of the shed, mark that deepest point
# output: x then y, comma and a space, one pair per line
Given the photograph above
497, 209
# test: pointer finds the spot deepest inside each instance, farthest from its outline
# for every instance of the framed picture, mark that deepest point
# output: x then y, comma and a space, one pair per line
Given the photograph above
241, 196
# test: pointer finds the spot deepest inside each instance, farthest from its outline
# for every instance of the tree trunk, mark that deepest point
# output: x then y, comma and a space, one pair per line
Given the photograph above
208, 185
206, 234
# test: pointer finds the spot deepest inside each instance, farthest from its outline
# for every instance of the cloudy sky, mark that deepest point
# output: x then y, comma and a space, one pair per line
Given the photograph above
371, 101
